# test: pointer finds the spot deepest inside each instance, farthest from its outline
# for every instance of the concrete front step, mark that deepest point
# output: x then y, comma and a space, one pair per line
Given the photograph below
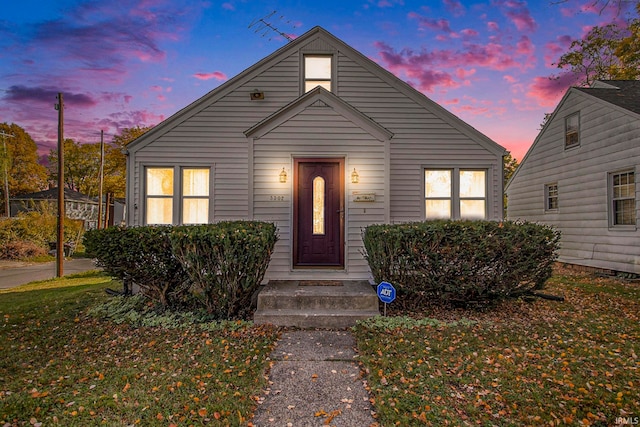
316, 304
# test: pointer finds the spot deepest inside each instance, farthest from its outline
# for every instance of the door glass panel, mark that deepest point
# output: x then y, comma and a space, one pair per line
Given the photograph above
318, 205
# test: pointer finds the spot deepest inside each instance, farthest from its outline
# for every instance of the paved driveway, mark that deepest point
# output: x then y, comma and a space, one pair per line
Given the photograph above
16, 274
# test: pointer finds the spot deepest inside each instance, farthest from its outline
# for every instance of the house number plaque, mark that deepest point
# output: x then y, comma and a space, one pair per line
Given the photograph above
277, 198
364, 197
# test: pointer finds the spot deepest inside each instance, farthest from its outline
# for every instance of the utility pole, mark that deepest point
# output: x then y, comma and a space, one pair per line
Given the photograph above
101, 179
61, 212
5, 166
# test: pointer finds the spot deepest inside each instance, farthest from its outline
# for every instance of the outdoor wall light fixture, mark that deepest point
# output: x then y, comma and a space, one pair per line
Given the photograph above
283, 176
355, 178
256, 95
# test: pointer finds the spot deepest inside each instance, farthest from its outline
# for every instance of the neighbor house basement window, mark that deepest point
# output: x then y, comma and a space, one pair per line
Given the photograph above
455, 194
623, 198
551, 197
190, 207
317, 71
572, 130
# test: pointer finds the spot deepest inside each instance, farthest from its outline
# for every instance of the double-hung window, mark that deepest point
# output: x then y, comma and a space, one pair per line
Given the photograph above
175, 195
551, 197
455, 193
572, 130
622, 205
318, 70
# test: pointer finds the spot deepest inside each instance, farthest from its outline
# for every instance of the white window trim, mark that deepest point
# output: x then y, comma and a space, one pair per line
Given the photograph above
455, 189
546, 197
566, 119
177, 190
610, 199
334, 69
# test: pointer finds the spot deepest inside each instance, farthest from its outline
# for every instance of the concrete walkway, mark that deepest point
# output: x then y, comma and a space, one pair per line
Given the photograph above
314, 381
14, 274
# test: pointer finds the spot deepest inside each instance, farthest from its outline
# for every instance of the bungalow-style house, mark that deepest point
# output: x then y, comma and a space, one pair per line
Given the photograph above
322, 141
579, 176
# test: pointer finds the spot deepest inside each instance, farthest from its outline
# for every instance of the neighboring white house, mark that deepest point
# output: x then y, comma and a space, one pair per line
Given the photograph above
579, 176
322, 141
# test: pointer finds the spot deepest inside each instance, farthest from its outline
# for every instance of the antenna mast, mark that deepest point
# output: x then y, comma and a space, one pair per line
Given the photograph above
264, 27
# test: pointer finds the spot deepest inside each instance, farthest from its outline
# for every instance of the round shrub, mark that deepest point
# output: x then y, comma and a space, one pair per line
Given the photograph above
461, 262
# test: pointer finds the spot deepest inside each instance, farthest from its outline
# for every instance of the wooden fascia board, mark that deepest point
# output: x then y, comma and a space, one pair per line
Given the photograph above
336, 103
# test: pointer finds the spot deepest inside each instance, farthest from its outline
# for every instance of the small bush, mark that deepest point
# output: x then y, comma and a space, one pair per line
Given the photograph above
461, 261
141, 255
226, 261
15, 250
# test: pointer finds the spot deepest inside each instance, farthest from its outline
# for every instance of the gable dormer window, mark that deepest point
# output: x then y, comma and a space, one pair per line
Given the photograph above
572, 130
317, 71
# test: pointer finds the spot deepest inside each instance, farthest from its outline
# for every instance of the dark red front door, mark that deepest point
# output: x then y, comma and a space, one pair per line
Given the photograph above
318, 213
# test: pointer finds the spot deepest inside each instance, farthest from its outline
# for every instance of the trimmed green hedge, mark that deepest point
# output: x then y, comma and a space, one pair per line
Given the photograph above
226, 262
461, 261
221, 265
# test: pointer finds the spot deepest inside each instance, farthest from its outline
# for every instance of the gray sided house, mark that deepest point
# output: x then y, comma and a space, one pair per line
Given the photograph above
321, 141
579, 176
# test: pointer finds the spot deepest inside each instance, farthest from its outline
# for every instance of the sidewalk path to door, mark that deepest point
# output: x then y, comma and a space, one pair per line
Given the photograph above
14, 274
315, 381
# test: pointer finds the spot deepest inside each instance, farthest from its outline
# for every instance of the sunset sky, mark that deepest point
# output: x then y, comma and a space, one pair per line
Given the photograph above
123, 63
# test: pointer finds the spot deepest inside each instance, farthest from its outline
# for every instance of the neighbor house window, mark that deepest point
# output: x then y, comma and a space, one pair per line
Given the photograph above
455, 193
317, 71
551, 197
572, 130
623, 198
191, 203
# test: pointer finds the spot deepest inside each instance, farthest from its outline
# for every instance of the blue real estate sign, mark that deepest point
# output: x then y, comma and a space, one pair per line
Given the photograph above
386, 292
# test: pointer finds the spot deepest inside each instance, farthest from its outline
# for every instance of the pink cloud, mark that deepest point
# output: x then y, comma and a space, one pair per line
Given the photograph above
549, 90
518, 13
228, 6
469, 33
218, 75
431, 23
493, 26
554, 50
509, 79
455, 7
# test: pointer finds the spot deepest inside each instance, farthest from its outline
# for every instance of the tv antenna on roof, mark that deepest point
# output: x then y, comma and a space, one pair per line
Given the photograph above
263, 27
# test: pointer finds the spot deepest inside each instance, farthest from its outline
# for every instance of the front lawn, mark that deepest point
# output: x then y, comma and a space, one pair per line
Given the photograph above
59, 366
521, 363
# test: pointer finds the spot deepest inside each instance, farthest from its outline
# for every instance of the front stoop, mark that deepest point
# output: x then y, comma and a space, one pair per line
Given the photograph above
331, 306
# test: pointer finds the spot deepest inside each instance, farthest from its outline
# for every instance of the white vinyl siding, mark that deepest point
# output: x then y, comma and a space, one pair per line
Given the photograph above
245, 170
609, 141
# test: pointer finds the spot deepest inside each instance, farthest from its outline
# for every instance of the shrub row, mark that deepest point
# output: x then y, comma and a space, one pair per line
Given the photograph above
219, 265
461, 261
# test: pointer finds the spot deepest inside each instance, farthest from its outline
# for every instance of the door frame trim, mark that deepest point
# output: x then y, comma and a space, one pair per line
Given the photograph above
294, 227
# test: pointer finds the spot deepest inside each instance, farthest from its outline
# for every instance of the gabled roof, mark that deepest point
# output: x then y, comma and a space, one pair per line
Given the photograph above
623, 93
325, 98
284, 51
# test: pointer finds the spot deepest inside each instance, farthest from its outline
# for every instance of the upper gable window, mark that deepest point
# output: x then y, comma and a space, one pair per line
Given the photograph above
317, 71
572, 130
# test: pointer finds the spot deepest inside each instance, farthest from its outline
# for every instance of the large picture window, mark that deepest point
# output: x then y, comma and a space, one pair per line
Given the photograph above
622, 190
177, 195
455, 193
